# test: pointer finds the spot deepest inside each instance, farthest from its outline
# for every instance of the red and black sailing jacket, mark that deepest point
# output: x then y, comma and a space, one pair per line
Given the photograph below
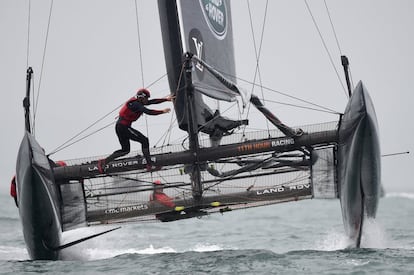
162, 198
133, 109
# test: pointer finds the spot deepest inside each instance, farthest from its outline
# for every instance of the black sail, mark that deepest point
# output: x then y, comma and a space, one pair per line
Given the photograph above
203, 29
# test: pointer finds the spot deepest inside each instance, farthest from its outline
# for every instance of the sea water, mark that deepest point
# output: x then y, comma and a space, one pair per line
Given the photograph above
304, 237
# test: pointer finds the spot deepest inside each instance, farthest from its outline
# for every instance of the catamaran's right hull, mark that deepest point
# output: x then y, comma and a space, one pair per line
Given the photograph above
359, 163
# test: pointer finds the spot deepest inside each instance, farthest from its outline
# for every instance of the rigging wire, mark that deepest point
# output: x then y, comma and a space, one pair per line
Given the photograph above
168, 133
303, 107
76, 141
325, 46
395, 154
286, 94
139, 44
142, 75
62, 146
257, 72
28, 33
140, 58
43, 63
258, 52
36, 100
333, 28
335, 35
290, 96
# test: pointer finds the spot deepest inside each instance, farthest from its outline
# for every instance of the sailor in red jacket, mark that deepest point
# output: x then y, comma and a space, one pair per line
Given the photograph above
129, 113
159, 195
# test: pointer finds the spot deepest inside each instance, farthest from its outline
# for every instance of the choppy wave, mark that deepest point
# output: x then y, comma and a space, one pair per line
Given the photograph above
298, 238
400, 195
244, 261
106, 252
14, 253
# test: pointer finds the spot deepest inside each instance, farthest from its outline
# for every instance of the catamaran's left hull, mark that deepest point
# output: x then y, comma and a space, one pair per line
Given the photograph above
359, 163
37, 198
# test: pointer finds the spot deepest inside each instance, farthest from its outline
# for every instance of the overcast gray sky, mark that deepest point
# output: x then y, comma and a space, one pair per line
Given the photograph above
92, 65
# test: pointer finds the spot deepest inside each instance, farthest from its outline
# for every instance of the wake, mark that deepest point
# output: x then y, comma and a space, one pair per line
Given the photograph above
373, 236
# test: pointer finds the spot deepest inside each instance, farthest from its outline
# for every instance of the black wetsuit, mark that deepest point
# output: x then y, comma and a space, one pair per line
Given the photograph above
129, 113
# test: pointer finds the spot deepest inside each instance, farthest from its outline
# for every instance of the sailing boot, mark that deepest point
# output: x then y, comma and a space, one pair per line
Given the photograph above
147, 157
151, 167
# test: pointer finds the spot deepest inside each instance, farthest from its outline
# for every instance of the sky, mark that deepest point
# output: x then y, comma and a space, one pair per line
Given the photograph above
94, 60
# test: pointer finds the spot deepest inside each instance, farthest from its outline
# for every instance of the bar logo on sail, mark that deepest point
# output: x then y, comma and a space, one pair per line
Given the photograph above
215, 13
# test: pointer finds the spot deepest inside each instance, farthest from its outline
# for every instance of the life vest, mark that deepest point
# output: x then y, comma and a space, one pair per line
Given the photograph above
61, 163
126, 115
163, 199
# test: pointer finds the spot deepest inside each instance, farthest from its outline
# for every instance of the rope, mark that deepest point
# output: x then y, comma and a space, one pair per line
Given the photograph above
43, 63
168, 133
69, 141
303, 107
140, 58
62, 146
76, 141
395, 154
290, 96
139, 44
257, 54
333, 28
28, 35
336, 37
326, 48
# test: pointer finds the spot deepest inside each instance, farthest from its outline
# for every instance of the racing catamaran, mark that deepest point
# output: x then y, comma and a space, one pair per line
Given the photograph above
216, 168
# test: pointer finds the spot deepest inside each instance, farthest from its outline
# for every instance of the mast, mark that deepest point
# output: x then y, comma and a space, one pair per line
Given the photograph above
192, 129
26, 100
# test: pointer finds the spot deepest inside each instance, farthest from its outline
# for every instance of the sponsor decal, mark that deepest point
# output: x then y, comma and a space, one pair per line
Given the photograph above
215, 14
282, 189
254, 146
94, 168
126, 209
283, 142
124, 163
196, 43
118, 164
263, 145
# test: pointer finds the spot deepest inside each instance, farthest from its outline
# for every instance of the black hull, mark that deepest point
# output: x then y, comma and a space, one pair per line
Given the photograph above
37, 198
359, 163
